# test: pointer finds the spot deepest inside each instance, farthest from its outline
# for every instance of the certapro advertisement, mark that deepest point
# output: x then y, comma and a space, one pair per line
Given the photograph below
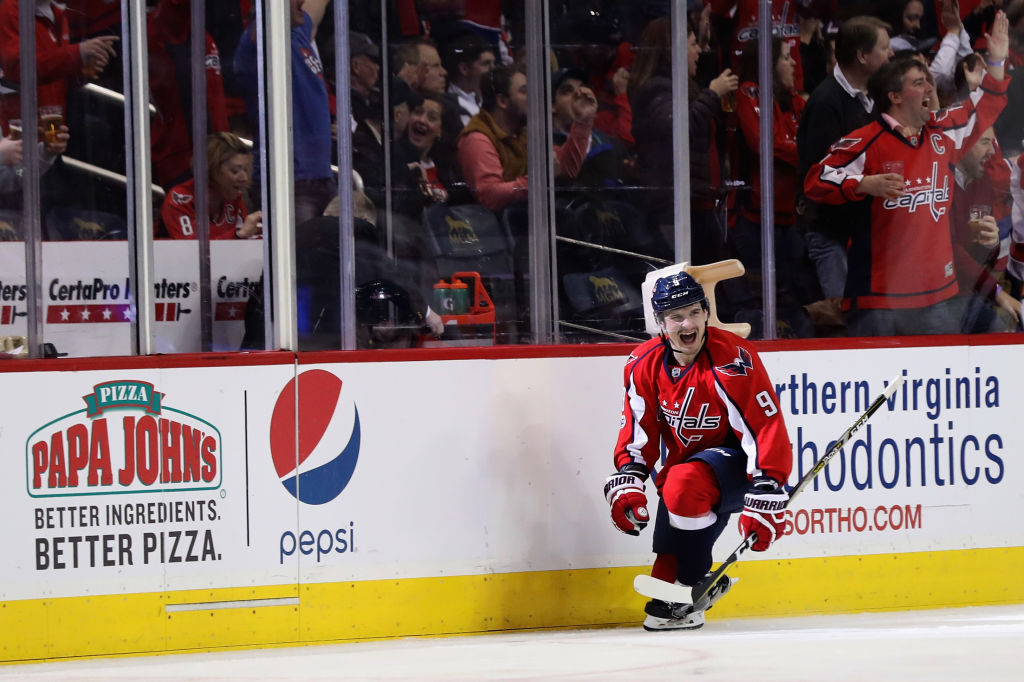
87, 303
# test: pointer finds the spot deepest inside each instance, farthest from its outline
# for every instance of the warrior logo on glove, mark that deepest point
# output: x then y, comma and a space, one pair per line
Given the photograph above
624, 492
762, 513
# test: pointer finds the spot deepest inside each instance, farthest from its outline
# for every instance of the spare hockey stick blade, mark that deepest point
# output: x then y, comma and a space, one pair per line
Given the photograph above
652, 588
704, 586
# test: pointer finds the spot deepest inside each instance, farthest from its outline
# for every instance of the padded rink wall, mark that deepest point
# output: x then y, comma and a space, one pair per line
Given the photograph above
200, 502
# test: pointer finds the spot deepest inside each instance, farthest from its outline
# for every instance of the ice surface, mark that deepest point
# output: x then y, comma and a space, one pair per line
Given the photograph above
978, 643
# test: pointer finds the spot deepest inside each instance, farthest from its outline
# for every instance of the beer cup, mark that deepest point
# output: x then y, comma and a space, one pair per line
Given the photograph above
976, 214
52, 118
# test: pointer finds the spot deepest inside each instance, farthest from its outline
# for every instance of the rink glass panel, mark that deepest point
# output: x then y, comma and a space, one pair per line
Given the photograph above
201, 294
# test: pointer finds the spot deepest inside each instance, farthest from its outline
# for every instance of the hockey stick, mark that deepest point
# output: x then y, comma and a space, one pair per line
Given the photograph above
654, 588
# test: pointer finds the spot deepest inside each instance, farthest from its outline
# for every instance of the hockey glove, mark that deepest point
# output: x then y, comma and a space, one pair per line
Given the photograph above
625, 494
762, 512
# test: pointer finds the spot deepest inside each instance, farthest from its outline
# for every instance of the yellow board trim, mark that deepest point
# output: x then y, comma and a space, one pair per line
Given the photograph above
131, 624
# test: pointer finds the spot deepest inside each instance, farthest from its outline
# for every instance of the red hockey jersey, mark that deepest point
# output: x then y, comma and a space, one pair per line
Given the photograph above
723, 398
744, 15
784, 126
904, 257
179, 214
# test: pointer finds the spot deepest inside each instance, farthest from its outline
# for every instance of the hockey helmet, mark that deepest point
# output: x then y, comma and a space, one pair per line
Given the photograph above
385, 316
677, 291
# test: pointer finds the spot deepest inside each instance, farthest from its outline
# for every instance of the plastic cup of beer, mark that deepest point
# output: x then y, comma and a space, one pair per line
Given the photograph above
14, 125
976, 214
52, 118
896, 167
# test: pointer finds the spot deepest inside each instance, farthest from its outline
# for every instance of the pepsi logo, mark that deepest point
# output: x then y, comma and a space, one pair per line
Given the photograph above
328, 437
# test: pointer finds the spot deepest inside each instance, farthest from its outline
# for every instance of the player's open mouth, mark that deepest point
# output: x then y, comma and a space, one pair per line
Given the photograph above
688, 339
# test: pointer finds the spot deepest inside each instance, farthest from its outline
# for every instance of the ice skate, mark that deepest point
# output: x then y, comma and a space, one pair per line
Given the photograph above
663, 615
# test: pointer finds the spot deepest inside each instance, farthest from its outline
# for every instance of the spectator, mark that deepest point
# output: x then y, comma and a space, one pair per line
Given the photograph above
592, 42
311, 115
908, 202
421, 177
367, 122
403, 100
169, 30
967, 76
1010, 126
11, 147
978, 15
368, 140
746, 24
651, 97
816, 52
1015, 263
430, 70
103, 118
602, 167
955, 45
390, 308
228, 162
905, 18
840, 104
60, 64
746, 236
225, 22
364, 66
492, 147
468, 59
979, 217
88, 18
405, 62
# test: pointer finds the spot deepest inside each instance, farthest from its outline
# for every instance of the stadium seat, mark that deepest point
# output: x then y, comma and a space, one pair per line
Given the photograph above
65, 223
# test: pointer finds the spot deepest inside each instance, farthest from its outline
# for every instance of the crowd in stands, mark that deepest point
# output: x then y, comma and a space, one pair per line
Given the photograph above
856, 221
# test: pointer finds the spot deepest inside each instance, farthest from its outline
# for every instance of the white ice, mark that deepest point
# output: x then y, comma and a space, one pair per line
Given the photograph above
978, 644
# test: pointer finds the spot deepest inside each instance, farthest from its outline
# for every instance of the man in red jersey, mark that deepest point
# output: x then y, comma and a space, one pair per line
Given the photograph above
704, 393
901, 165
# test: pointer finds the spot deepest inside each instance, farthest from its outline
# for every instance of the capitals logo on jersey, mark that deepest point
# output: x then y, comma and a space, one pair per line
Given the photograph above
740, 365
180, 198
679, 417
924, 192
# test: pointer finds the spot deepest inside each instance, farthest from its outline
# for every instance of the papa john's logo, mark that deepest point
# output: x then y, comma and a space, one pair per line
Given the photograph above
328, 437
125, 440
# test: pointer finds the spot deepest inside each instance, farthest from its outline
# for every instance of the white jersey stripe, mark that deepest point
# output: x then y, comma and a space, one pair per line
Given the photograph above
691, 522
637, 408
748, 442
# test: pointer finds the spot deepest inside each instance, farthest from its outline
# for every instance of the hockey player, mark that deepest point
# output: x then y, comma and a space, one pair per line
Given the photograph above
901, 167
704, 393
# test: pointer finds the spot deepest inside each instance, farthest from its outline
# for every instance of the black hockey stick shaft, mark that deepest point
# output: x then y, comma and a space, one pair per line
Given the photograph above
701, 589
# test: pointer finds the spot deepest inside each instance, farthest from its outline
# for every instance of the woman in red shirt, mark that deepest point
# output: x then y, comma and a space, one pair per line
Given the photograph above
229, 165
746, 237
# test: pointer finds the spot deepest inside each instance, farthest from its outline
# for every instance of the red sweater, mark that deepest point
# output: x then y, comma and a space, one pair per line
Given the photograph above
58, 61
